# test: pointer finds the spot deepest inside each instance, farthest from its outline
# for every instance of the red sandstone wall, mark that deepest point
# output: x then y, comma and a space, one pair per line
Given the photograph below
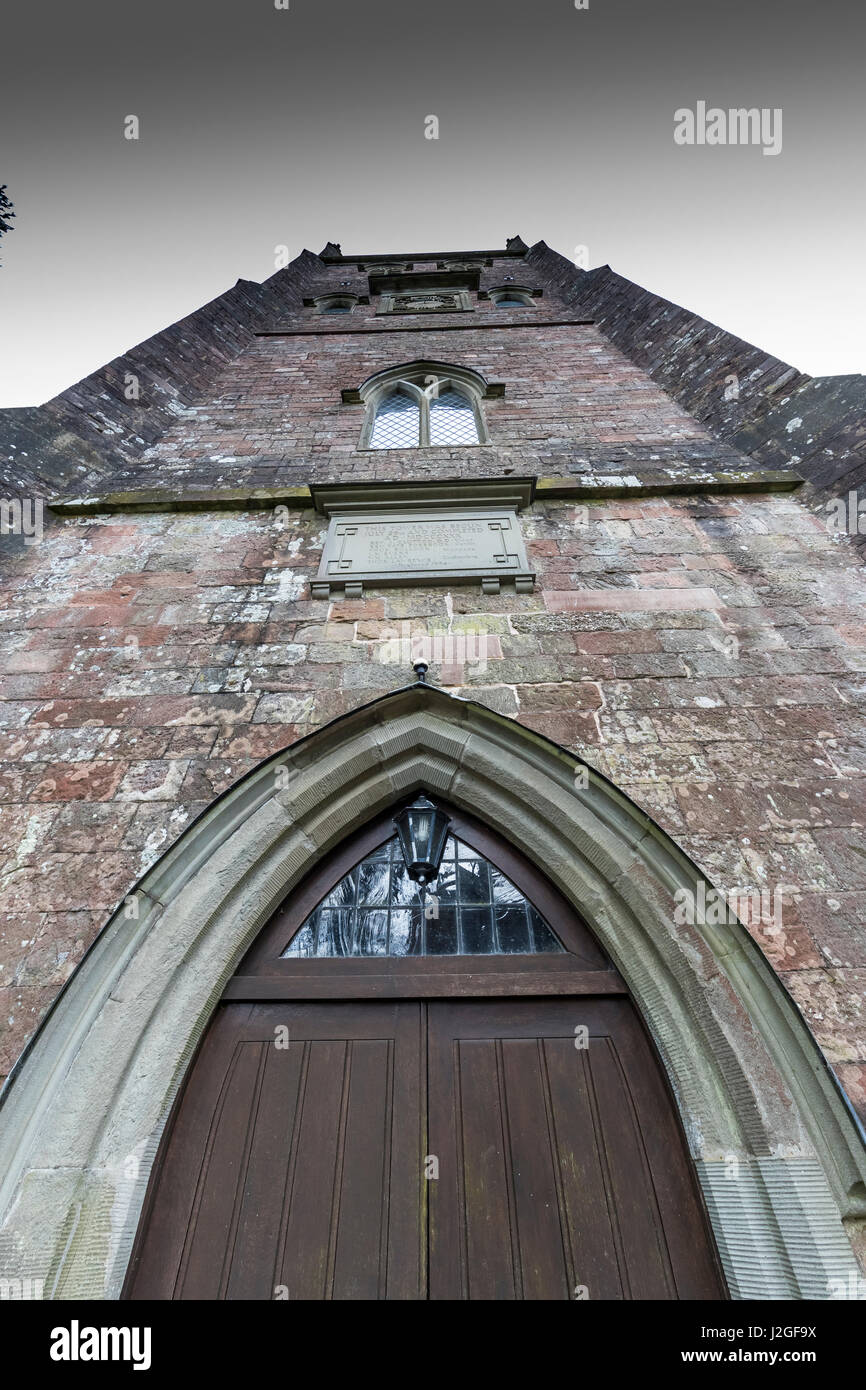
775, 413
706, 654
276, 414
573, 405
149, 661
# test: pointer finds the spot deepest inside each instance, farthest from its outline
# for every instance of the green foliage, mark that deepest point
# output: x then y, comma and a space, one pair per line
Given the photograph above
6, 212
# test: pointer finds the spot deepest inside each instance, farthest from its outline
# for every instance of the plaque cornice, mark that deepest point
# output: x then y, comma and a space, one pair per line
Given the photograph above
334, 499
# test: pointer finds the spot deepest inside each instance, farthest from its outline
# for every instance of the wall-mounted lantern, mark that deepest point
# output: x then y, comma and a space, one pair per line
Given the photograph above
423, 830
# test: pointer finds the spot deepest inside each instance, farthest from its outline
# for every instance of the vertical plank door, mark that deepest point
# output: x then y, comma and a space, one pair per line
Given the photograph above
293, 1171
562, 1168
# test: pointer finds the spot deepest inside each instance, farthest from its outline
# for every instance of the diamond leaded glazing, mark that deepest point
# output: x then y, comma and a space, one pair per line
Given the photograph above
452, 419
397, 424
470, 909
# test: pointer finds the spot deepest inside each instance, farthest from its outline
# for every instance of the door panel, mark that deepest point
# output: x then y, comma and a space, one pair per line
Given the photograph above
559, 1166
296, 1167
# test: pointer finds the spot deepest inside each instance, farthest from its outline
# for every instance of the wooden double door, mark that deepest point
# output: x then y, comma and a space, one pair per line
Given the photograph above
490, 1129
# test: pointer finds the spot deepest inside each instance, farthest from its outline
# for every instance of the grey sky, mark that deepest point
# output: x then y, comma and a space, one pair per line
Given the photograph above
262, 126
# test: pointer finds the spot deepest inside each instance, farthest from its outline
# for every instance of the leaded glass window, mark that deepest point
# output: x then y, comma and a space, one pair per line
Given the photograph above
452, 419
425, 407
397, 424
470, 909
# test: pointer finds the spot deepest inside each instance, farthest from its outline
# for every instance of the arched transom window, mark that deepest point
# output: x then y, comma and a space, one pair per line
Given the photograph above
422, 408
378, 910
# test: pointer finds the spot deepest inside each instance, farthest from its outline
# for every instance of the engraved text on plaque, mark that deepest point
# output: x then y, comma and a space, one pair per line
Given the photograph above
423, 547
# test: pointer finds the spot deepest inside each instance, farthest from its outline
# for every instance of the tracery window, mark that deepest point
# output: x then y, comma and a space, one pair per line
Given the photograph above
470, 909
419, 408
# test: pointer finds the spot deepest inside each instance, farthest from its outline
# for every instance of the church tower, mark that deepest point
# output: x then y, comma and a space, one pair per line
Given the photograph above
432, 765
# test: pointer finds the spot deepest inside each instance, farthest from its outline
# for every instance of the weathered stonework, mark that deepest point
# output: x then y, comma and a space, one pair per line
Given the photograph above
83, 1121
707, 655
748, 398
695, 633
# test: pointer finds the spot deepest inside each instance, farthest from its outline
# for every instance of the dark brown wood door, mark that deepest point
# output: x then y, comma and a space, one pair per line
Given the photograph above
430, 1130
293, 1172
562, 1169
552, 1171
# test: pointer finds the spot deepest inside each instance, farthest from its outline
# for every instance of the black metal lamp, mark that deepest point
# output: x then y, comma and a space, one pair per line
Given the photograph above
423, 830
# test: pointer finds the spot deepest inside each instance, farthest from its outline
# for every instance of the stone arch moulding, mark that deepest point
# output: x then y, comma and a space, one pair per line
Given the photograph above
779, 1154
469, 377
523, 294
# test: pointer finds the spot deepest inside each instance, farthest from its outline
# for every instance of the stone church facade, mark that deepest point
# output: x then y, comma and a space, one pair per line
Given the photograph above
602, 525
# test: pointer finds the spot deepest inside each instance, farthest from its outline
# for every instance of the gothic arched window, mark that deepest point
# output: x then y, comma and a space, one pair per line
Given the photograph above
452, 419
419, 407
378, 910
335, 303
397, 421
511, 298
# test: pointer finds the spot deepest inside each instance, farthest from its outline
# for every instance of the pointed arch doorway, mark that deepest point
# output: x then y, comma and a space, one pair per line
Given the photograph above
780, 1158
405, 1095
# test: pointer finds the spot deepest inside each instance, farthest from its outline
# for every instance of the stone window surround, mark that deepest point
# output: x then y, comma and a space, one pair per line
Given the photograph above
406, 378
323, 302
524, 293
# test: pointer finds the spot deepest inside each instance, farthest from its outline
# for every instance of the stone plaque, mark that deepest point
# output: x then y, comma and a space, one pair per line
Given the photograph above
420, 302
451, 545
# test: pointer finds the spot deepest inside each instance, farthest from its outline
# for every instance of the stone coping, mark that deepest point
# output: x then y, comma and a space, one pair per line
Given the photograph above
678, 483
